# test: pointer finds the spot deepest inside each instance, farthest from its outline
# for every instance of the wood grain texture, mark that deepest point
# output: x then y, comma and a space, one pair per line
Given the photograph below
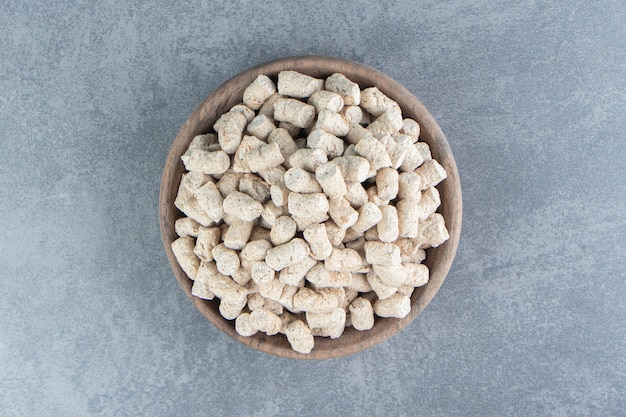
438, 259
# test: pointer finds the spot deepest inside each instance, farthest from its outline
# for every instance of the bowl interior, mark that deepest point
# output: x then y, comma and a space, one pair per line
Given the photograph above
438, 259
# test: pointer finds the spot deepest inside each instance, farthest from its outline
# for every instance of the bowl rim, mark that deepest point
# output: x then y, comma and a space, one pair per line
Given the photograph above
220, 101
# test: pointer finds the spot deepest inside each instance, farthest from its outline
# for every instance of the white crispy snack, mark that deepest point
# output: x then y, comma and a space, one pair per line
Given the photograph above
309, 209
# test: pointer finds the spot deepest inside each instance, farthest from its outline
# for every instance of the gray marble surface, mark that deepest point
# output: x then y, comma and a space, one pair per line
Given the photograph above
531, 320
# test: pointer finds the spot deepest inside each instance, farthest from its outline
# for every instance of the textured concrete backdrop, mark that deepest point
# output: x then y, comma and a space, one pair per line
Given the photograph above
531, 320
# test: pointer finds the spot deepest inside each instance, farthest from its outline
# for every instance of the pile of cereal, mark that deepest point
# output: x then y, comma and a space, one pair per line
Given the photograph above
309, 209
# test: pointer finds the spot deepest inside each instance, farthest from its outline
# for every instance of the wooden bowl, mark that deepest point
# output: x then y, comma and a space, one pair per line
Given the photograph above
438, 259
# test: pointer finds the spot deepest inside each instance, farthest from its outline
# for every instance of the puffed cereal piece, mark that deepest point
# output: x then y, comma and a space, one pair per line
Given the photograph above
387, 123
286, 317
369, 216
274, 176
409, 185
221, 285
261, 126
242, 276
271, 212
359, 282
331, 122
324, 300
255, 187
294, 111
374, 151
412, 159
329, 143
303, 222
187, 201
249, 144
255, 250
260, 233
397, 147
376, 102
285, 255
331, 324
204, 142
231, 307
294, 274
230, 127
326, 100
356, 133
387, 229
432, 173
387, 183
342, 260
432, 231
265, 157
300, 181
265, 321
411, 128
397, 306
353, 168
424, 150
210, 200
334, 232
186, 226
329, 176
237, 234
372, 196
183, 251
354, 114
416, 275
361, 314
342, 212
285, 142
226, 260
312, 206
279, 195
381, 253
317, 239
195, 180
381, 289
283, 230
210, 163
242, 206
200, 287
348, 90
260, 90
355, 194
229, 182
308, 159
428, 203
245, 110
243, 326
299, 336
267, 109
410, 250
392, 275
279, 292
257, 302
208, 238
408, 217
295, 84
262, 273
322, 277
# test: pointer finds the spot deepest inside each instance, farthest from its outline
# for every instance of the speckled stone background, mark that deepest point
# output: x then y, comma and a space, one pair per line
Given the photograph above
532, 318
